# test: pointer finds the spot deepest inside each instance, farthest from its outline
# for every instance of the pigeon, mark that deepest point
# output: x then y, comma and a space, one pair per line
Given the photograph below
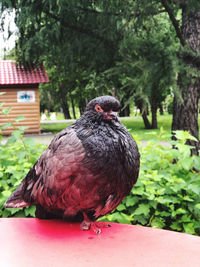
86, 171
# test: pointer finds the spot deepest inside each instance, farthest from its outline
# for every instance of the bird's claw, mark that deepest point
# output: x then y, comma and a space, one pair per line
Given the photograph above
85, 225
95, 226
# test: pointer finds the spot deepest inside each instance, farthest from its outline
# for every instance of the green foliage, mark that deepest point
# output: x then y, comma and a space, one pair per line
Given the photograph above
82, 41
165, 196
167, 192
17, 156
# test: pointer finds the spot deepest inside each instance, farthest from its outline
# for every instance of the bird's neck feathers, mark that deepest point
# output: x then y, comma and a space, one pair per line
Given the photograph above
93, 118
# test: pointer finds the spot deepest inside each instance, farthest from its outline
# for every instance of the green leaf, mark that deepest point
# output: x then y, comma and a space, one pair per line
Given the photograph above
162, 213
197, 206
184, 135
30, 211
176, 226
187, 163
5, 213
6, 111
194, 188
6, 125
120, 217
186, 218
22, 128
140, 219
178, 211
196, 163
189, 228
19, 118
14, 210
158, 222
142, 209
29, 142
187, 198
121, 207
131, 201
138, 190
11, 140
16, 134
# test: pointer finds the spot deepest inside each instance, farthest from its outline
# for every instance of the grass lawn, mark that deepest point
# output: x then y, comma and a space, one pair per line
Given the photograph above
54, 127
134, 124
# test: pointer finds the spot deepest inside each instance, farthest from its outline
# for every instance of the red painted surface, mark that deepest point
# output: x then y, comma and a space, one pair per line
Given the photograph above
11, 73
34, 242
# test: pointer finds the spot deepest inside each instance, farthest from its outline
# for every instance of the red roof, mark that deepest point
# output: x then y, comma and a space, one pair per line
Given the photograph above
11, 73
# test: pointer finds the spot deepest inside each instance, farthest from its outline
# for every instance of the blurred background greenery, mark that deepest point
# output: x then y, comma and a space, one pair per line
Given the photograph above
145, 53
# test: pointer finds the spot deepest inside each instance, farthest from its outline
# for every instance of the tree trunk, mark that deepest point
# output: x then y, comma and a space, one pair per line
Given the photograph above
73, 107
144, 112
65, 108
64, 103
153, 111
145, 119
161, 109
185, 112
81, 106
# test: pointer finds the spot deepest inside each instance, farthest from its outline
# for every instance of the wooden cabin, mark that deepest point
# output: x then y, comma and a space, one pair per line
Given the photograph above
20, 92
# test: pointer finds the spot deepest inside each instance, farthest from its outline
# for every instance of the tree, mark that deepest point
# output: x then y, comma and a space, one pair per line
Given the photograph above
70, 37
95, 36
146, 69
185, 112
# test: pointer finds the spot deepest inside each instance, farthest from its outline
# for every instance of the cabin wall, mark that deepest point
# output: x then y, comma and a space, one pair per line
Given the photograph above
30, 110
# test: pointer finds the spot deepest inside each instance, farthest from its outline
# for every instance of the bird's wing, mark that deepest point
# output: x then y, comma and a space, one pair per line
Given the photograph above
55, 169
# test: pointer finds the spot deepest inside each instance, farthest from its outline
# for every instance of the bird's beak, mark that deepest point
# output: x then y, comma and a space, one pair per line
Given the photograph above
110, 115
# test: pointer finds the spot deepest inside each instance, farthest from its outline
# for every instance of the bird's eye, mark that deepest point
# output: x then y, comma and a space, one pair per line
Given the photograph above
98, 108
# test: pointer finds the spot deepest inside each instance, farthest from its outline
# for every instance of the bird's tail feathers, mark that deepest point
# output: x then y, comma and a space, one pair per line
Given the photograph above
16, 200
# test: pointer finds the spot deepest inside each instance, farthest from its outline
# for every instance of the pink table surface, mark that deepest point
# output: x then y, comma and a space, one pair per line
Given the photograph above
33, 242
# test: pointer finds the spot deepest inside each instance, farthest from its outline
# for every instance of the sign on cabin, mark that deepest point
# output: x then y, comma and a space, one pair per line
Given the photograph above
20, 93
26, 96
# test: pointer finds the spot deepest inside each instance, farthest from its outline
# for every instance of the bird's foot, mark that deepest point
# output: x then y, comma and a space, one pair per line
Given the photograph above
85, 225
95, 226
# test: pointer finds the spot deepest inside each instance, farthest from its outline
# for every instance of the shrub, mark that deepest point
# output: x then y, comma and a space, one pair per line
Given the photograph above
165, 196
167, 192
17, 156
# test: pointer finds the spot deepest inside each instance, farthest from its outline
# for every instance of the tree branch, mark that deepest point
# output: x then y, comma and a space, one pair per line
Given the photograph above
174, 22
83, 30
87, 31
137, 14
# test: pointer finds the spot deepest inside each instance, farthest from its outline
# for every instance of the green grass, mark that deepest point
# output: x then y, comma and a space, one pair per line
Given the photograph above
134, 124
54, 127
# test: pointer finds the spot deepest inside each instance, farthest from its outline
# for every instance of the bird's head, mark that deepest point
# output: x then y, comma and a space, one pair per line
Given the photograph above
103, 108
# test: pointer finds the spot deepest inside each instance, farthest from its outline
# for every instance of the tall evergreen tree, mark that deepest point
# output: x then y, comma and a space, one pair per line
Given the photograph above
91, 36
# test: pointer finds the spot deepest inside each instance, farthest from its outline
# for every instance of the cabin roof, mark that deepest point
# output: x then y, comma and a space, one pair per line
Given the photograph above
12, 74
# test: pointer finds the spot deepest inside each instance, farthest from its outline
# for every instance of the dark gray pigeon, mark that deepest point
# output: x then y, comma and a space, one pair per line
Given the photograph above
86, 171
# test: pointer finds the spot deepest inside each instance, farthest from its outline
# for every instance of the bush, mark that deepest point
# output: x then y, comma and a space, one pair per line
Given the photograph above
167, 192
165, 196
16, 158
